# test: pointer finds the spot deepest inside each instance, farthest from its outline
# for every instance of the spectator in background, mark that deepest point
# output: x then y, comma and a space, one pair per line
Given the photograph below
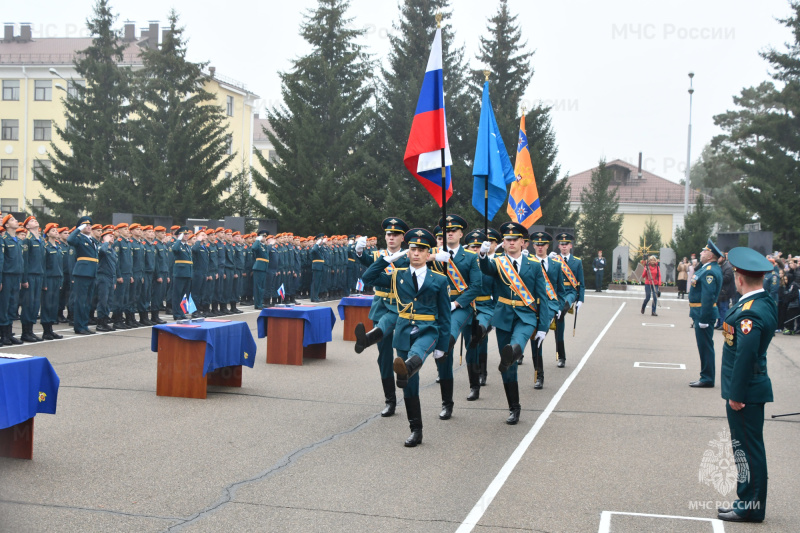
683, 275
771, 279
652, 283
727, 291
783, 302
791, 324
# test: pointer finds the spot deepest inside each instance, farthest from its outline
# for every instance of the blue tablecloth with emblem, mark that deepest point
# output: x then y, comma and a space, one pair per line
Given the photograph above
27, 387
318, 325
354, 301
227, 343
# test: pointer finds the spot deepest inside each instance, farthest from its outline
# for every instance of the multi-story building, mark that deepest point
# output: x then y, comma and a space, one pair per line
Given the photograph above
36, 75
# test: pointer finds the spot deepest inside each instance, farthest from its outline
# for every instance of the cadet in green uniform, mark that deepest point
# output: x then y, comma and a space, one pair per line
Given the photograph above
106, 279
13, 268
494, 237
213, 273
33, 258
423, 324
84, 273
53, 278
481, 322
703, 294
146, 294
748, 330
517, 315
137, 249
572, 271
317, 268
200, 272
182, 272
122, 248
66, 267
161, 274
260, 263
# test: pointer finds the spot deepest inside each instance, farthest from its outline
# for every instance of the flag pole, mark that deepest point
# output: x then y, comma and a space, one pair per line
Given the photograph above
444, 168
486, 190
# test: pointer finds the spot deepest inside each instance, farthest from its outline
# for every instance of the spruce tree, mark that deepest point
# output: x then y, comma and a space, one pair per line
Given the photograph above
650, 239
399, 91
179, 136
715, 176
504, 53
599, 227
325, 178
693, 236
241, 202
89, 175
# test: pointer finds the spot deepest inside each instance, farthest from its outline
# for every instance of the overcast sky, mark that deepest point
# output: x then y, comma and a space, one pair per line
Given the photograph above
615, 72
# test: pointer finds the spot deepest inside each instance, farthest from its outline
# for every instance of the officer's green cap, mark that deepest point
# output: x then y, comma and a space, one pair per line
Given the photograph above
748, 262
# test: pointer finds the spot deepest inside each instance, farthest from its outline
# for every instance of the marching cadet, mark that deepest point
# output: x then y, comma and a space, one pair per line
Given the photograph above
748, 330
517, 317
182, 271
423, 323
84, 273
137, 250
481, 322
53, 278
551, 269
160, 275
67, 255
33, 259
572, 270
317, 267
460, 266
106, 282
703, 294
494, 237
200, 272
13, 268
122, 249
383, 313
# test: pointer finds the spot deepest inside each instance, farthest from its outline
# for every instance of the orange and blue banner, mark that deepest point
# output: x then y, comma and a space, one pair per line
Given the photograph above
428, 137
523, 199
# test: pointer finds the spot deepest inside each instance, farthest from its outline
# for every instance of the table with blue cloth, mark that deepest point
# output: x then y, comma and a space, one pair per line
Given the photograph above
27, 386
354, 309
296, 332
193, 356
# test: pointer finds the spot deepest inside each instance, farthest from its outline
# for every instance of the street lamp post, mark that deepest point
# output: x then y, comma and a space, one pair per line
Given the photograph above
688, 150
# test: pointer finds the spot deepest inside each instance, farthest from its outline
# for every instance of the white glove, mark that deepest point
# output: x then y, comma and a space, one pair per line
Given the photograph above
454, 306
319, 241
485, 247
361, 243
80, 228
552, 255
395, 256
525, 252
595, 270
702, 326
442, 256
578, 305
180, 237
540, 335
558, 314
438, 354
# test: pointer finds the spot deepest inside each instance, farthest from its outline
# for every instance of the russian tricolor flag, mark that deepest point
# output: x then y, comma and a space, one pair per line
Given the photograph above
423, 157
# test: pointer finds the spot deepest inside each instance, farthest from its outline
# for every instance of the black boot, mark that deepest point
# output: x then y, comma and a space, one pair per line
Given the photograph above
102, 324
27, 334
119, 322
391, 398
5, 331
144, 320
92, 319
562, 354
538, 366
48, 332
512, 395
447, 398
473, 371
130, 320
414, 413
11, 336
484, 365
60, 317
235, 310
477, 336
53, 333
406, 369
508, 355
365, 338
70, 317
155, 319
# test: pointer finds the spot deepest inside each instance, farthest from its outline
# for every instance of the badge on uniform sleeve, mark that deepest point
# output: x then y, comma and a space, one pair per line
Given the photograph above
709, 279
746, 325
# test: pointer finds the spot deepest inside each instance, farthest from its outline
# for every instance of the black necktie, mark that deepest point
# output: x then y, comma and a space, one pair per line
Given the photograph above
451, 253
514, 262
416, 284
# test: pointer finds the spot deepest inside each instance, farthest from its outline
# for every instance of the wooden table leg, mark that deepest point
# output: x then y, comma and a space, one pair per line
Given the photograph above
352, 316
315, 351
17, 441
285, 341
227, 376
180, 367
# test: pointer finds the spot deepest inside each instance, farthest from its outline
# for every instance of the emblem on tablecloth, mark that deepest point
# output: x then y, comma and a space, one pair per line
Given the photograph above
42, 397
246, 355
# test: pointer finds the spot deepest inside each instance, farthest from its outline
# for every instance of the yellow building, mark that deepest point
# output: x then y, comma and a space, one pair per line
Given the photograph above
641, 198
36, 74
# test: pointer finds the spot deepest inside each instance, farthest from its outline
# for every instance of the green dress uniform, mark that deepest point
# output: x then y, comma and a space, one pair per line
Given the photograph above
33, 258
748, 330
213, 272
260, 266
182, 272
122, 248
199, 274
160, 288
703, 294
83, 275
146, 294
573, 285
51, 288
137, 249
483, 310
317, 269
106, 281
13, 268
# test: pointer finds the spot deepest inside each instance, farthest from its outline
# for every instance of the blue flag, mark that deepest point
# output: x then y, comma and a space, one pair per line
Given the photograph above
491, 161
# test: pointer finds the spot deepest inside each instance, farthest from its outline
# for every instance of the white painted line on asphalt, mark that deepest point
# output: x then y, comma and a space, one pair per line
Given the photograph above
650, 324
497, 483
619, 297
665, 366
605, 520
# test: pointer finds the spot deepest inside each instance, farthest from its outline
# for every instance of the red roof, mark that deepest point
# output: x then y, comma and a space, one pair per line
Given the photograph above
650, 189
55, 51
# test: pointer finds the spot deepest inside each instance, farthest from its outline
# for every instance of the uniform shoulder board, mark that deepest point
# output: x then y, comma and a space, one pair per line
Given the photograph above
534, 259
576, 258
440, 273
401, 268
747, 306
708, 267
469, 251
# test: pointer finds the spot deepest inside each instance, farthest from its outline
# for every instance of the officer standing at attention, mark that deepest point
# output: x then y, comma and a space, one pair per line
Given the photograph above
261, 260
703, 294
84, 273
138, 273
122, 249
106, 282
13, 268
748, 329
182, 271
599, 265
161, 274
53, 277
517, 316
33, 258
572, 270
199, 272
423, 324
317, 267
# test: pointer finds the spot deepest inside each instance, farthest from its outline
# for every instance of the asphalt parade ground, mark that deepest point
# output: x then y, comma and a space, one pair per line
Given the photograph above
614, 441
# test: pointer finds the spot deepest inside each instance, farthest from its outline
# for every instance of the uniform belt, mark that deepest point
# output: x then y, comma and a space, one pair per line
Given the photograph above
319, 260
455, 292
89, 259
483, 298
351, 259
699, 304
182, 262
512, 303
262, 259
384, 294
421, 318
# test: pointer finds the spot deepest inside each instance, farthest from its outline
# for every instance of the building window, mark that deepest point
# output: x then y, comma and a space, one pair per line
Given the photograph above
9, 169
72, 90
229, 142
230, 184
10, 130
38, 203
230, 106
41, 130
8, 204
273, 158
43, 90
38, 167
10, 89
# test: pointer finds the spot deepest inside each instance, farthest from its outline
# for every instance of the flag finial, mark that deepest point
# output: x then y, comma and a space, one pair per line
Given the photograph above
438, 20
486, 73
524, 110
